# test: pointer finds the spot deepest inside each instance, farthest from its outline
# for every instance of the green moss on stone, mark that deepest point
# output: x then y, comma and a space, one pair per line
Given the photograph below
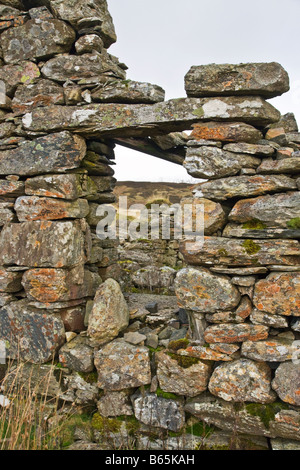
254, 224
294, 223
266, 413
90, 378
169, 396
178, 344
105, 425
200, 429
251, 247
184, 361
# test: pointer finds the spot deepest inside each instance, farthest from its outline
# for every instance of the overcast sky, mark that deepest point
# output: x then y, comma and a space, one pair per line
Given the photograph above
159, 40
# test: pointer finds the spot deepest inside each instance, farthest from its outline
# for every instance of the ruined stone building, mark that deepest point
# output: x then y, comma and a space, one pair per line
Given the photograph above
225, 350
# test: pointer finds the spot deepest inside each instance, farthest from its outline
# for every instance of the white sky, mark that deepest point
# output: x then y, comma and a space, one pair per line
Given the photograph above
159, 40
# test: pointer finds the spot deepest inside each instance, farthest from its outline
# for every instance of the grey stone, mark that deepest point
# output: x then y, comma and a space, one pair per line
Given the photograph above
53, 153
109, 315
159, 412
213, 163
287, 382
144, 120
37, 45
242, 381
30, 334
77, 355
263, 79
122, 365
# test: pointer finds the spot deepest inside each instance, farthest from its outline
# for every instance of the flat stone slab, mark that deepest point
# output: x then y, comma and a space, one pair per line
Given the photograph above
286, 165
120, 120
30, 334
235, 333
244, 186
226, 132
46, 208
231, 252
247, 418
278, 210
271, 350
129, 91
263, 79
63, 186
57, 153
44, 244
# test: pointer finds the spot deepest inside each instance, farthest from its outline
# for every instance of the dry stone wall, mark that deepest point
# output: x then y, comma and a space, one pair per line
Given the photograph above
227, 353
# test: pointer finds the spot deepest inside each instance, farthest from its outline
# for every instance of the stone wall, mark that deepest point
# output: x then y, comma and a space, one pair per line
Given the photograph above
67, 103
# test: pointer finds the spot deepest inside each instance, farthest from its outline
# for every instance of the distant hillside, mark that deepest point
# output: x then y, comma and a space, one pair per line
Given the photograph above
139, 192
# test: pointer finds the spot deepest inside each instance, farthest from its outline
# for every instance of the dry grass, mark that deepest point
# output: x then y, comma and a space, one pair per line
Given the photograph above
24, 412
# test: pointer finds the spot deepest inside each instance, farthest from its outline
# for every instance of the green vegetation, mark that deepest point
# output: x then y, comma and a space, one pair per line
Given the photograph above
184, 361
169, 396
266, 413
254, 224
178, 344
294, 223
251, 247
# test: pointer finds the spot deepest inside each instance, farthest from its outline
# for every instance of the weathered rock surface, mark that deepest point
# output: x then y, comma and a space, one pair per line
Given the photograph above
251, 149
122, 365
190, 379
263, 79
115, 404
68, 186
83, 15
23, 73
287, 383
58, 285
271, 420
30, 334
54, 153
235, 333
211, 162
6, 213
41, 93
129, 91
46, 208
286, 165
244, 186
278, 294
278, 210
201, 291
77, 355
242, 381
11, 188
213, 213
268, 319
231, 252
10, 281
109, 315
43, 244
89, 43
134, 120
159, 412
271, 350
225, 132
37, 44
82, 67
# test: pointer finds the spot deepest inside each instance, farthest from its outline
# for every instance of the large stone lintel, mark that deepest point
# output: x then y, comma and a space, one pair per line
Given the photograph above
122, 120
